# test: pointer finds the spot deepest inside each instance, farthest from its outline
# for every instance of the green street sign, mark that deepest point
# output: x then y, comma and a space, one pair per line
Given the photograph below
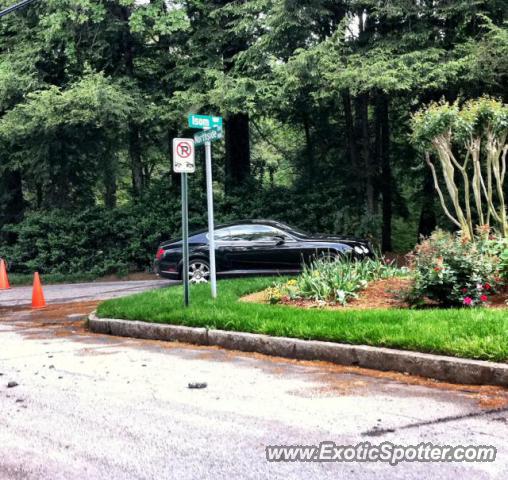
205, 121
205, 136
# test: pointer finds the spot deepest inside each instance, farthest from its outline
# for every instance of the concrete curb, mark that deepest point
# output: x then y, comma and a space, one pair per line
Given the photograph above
439, 367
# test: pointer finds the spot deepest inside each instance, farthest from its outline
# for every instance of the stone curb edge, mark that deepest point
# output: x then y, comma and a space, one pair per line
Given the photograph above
439, 367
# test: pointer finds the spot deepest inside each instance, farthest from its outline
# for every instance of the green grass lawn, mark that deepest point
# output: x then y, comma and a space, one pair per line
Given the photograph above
472, 333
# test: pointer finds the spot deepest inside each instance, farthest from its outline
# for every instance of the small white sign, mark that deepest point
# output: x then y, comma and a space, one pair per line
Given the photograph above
184, 155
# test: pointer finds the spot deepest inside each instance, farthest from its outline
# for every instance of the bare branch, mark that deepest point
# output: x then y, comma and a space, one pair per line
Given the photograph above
439, 192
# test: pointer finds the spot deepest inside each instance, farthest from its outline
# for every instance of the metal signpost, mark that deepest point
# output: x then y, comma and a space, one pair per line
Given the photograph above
211, 226
212, 131
184, 163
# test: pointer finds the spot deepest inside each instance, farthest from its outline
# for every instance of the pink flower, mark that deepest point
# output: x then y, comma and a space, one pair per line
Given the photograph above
467, 301
484, 298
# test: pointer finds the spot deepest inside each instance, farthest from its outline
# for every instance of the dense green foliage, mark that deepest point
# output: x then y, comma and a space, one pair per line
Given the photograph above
317, 97
472, 333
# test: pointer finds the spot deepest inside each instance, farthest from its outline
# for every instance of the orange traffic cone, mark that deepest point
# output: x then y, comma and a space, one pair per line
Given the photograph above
4, 279
38, 300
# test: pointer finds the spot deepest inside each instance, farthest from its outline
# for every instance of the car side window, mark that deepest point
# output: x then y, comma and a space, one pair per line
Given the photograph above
264, 233
256, 233
240, 233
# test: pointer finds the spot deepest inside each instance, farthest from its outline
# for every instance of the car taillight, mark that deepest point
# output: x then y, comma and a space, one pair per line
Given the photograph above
160, 253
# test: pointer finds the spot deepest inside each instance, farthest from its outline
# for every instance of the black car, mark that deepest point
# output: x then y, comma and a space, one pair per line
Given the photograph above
255, 247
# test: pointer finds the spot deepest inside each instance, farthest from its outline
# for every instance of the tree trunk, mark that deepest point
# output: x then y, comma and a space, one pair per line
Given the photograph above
428, 220
110, 185
352, 145
136, 162
310, 166
368, 168
13, 204
134, 133
237, 167
386, 184
237, 150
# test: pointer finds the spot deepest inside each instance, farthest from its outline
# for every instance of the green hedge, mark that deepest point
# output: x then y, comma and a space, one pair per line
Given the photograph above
104, 241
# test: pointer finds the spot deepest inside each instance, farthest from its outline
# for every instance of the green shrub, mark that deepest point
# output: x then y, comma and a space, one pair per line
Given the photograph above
103, 241
453, 271
97, 241
336, 281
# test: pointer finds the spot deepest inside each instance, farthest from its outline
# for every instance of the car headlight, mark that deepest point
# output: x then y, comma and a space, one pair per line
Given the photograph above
359, 250
365, 250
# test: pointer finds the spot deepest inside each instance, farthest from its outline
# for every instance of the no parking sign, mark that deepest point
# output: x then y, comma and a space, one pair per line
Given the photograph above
184, 155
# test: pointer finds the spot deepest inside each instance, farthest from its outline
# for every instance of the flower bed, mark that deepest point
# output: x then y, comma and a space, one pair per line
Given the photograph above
328, 282
446, 270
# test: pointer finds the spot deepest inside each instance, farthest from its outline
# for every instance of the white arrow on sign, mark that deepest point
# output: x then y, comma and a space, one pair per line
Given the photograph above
184, 155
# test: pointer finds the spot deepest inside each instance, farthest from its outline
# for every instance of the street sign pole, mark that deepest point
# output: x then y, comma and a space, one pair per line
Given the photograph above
211, 226
185, 240
212, 131
184, 162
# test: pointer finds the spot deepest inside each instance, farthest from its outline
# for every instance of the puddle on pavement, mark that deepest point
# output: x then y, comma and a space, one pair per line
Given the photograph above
328, 380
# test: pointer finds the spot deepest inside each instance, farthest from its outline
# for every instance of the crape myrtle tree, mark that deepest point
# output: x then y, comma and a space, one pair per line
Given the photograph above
469, 143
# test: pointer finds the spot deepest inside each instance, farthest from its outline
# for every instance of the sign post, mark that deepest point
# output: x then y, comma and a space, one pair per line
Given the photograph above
211, 226
185, 239
184, 163
212, 131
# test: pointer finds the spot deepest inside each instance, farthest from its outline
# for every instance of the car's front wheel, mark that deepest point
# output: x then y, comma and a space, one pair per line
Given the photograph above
199, 271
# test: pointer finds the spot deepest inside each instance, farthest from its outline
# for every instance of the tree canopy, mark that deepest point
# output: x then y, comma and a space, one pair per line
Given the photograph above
317, 97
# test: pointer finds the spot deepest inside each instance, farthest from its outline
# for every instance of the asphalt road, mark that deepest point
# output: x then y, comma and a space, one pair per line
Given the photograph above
80, 291
90, 407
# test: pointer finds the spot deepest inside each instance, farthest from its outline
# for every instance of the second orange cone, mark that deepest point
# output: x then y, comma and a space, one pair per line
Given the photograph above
38, 300
4, 279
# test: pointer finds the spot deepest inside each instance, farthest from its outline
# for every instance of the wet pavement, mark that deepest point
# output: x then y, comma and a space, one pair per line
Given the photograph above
91, 406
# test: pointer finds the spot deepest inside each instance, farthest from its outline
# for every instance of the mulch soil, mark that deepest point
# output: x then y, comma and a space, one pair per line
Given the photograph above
381, 294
